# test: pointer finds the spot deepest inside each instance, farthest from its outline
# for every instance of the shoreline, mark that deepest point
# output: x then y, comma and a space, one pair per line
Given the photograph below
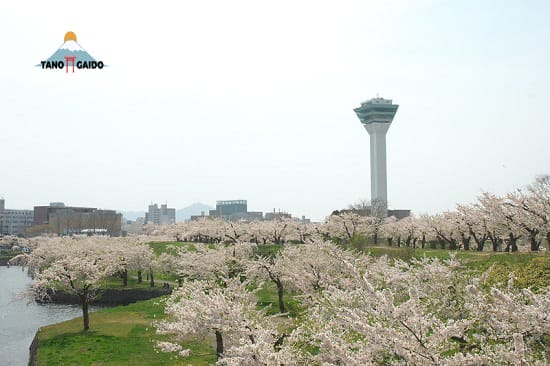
109, 297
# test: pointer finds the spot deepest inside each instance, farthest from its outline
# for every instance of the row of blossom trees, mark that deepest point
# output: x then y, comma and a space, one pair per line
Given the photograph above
216, 230
521, 217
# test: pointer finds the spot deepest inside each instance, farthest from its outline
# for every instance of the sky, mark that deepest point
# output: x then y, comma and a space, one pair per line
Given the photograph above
250, 99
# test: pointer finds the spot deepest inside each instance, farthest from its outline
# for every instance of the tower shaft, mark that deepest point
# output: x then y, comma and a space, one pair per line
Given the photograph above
378, 170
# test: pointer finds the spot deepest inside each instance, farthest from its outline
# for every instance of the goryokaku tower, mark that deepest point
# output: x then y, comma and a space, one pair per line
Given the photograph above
376, 115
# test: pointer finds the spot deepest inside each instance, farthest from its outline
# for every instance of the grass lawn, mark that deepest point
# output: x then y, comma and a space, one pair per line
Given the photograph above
118, 336
169, 247
123, 335
267, 297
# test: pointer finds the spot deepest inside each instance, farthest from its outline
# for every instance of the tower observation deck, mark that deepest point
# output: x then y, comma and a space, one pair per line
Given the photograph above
376, 115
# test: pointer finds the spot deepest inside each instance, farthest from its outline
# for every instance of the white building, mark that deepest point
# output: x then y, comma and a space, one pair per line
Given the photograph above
14, 222
160, 216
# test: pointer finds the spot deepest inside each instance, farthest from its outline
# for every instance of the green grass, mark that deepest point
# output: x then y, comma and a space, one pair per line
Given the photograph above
169, 247
268, 250
116, 282
118, 336
267, 297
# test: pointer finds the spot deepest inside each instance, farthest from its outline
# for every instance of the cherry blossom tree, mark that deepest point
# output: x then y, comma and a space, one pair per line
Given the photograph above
344, 227
202, 308
271, 269
476, 222
77, 266
502, 224
141, 259
390, 230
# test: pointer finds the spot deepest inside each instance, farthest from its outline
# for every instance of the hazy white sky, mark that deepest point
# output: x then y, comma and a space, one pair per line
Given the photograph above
208, 100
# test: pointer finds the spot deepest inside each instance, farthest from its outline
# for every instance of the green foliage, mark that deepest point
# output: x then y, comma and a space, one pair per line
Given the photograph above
169, 247
267, 250
116, 282
120, 336
267, 297
534, 274
395, 252
359, 242
8, 254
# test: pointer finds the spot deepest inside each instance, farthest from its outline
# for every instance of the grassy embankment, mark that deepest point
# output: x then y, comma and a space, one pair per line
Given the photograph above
124, 335
118, 336
6, 255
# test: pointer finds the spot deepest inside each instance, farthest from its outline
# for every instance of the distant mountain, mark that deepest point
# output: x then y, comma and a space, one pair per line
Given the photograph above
194, 209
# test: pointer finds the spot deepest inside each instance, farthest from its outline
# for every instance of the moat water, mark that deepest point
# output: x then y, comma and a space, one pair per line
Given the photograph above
19, 320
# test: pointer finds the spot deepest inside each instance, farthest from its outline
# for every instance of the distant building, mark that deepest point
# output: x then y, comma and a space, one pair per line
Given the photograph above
277, 215
160, 216
66, 220
367, 211
230, 210
399, 214
227, 209
14, 222
133, 226
303, 220
197, 217
233, 210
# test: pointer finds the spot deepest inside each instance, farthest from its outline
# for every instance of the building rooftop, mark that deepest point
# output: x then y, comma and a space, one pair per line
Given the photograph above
377, 100
231, 202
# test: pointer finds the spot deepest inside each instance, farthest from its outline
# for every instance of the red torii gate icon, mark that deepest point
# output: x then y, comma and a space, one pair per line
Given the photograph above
69, 58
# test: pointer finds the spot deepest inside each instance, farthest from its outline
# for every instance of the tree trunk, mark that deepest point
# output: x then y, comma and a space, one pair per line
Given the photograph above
140, 277
219, 345
535, 244
423, 241
125, 277
280, 295
85, 313
494, 242
452, 244
512, 243
480, 244
152, 281
441, 242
